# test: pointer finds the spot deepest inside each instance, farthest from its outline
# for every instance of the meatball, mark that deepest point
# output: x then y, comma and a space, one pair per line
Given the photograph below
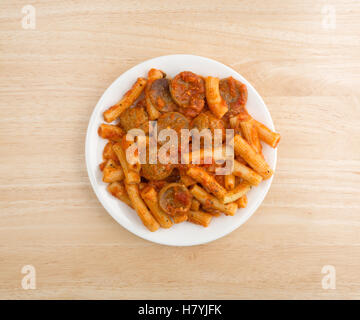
207, 120
173, 120
156, 171
133, 117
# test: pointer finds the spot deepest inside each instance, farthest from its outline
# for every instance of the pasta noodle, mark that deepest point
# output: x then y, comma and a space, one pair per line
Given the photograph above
140, 207
242, 202
110, 132
229, 182
211, 203
112, 172
246, 173
131, 176
216, 103
129, 98
150, 197
251, 135
254, 159
266, 135
117, 189
207, 181
237, 193
200, 217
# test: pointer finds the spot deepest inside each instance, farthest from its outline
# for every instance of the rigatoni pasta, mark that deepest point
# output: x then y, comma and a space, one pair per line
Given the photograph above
208, 181
110, 132
251, 135
230, 182
254, 159
117, 189
216, 103
131, 176
149, 195
246, 173
242, 202
266, 135
112, 172
200, 217
140, 207
239, 191
211, 203
129, 98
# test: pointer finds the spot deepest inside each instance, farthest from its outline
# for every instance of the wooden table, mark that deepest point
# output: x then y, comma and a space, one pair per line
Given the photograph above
303, 57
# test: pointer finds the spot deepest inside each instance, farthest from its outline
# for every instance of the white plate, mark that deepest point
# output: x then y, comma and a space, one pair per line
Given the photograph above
183, 234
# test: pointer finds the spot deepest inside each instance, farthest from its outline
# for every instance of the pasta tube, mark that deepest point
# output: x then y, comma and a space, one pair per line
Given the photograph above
180, 218
265, 134
254, 159
112, 172
109, 153
117, 189
237, 193
208, 181
131, 176
129, 98
246, 173
140, 207
251, 134
150, 197
186, 180
229, 182
242, 202
211, 203
102, 165
203, 156
216, 103
195, 205
110, 132
200, 217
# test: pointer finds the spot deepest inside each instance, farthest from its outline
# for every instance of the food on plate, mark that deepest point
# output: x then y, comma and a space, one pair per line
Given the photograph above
193, 186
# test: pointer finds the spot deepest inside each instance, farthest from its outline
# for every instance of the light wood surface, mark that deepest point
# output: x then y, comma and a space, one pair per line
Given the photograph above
50, 80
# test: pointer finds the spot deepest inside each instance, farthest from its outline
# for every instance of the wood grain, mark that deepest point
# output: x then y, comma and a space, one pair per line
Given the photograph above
50, 81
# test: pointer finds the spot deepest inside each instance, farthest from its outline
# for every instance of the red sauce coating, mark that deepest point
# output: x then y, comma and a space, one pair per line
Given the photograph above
188, 91
235, 94
160, 95
175, 199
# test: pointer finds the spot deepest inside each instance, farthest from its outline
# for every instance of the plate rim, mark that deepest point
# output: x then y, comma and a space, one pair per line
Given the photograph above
92, 177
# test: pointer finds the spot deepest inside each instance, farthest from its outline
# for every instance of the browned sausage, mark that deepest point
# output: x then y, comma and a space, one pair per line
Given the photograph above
160, 95
235, 94
188, 91
175, 199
